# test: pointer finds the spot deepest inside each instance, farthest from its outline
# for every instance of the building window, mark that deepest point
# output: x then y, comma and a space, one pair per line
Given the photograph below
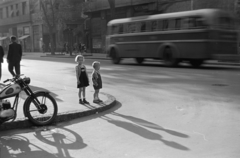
7, 14
24, 7
11, 11
26, 30
1, 13
17, 11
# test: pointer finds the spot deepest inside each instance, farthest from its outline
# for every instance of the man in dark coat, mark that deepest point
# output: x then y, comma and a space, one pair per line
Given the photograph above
14, 57
1, 60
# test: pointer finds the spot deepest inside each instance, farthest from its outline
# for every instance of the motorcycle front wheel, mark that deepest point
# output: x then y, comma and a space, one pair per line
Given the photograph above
43, 113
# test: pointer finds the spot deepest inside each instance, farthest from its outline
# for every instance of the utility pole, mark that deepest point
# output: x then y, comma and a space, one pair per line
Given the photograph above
191, 4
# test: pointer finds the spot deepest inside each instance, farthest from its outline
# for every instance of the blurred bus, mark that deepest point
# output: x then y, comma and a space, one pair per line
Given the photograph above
192, 36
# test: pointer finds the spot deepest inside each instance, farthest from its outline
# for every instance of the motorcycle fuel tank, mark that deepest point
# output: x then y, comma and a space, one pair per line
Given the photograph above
9, 91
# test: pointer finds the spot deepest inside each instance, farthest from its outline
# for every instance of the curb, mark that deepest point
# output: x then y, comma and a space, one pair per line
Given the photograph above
61, 117
87, 57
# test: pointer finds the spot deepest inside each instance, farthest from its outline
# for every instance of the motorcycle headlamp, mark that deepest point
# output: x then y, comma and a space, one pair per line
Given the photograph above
27, 80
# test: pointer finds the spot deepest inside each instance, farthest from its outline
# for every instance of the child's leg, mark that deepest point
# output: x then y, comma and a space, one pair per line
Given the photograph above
84, 94
98, 94
98, 97
95, 95
80, 93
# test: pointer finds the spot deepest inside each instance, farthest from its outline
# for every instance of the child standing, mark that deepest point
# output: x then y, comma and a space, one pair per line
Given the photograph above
82, 78
97, 81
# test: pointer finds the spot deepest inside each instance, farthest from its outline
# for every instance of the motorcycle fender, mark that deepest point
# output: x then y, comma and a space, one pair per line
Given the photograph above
28, 98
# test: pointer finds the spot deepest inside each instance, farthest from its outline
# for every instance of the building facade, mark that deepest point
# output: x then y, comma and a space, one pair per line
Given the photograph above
99, 13
24, 19
15, 20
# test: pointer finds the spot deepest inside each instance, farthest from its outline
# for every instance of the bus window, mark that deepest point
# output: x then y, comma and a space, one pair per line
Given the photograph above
143, 26
114, 29
192, 23
171, 24
178, 24
132, 27
226, 23
165, 24
125, 28
148, 26
160, 25
200, 22
120, 31
154, 26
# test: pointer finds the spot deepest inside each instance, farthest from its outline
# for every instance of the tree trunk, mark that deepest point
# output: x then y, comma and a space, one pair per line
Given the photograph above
112, 8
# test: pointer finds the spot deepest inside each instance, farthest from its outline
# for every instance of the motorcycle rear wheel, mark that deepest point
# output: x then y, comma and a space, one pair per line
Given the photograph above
46, 114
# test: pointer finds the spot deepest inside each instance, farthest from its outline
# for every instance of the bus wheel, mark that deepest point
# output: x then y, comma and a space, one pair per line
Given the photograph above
196, 62
115, 57
169, 59
139, 60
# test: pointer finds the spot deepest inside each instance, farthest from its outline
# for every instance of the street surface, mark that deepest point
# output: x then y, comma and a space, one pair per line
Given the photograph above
161, 113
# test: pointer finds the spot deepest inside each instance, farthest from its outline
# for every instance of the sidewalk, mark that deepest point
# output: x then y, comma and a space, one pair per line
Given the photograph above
64, 92
104, 57
86, 55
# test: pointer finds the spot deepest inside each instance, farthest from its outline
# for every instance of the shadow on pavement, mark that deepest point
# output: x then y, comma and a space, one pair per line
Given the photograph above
143, 132
61, 138
19, 146
150, 125
135, 126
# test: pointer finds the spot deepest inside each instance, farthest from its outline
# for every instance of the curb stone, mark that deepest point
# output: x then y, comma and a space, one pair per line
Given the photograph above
21, 123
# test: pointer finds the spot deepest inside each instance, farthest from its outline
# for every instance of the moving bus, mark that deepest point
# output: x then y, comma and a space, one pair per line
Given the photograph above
192, 36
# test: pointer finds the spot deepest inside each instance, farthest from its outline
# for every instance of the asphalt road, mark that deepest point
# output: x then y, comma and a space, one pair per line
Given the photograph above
161, 112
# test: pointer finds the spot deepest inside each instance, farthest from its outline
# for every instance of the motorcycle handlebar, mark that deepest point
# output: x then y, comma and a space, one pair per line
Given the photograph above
13, 79
6, 81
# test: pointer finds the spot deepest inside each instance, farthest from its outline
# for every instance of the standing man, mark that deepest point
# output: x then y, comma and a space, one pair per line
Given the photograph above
14, 57
1, 60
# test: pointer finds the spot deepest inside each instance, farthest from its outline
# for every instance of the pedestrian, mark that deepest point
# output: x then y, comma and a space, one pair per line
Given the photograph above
82, 79
14, 57
1, 60
75, 48
97, 81
66, 46
83, 48
50, 47
43, 47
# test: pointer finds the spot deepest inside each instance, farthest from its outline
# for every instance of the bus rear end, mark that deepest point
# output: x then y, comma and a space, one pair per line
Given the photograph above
223, 38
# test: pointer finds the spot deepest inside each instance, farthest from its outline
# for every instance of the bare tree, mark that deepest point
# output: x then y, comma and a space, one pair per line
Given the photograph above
49, 19
57, 14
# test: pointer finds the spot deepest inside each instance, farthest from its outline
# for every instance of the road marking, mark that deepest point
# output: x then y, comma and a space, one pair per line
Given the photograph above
204, 138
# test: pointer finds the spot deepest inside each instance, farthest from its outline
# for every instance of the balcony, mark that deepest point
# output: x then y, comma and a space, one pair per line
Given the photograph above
104, 4
15, 20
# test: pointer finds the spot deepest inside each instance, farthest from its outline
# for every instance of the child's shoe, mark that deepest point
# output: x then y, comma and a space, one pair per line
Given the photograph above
80, 101
84, 101
99, 100
95, 101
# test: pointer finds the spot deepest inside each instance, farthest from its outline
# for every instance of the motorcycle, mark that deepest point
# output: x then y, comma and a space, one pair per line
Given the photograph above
39, 107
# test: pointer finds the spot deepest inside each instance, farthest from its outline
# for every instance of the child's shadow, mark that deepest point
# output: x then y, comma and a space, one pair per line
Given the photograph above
24, 96
148, 124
